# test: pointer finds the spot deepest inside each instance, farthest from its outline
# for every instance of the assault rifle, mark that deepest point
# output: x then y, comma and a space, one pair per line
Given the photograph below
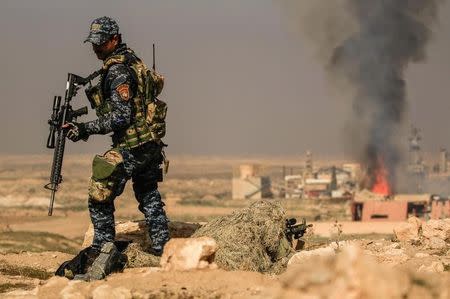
57, 137
294, 230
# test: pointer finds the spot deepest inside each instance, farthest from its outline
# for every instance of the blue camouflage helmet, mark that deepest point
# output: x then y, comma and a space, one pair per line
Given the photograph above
102, 29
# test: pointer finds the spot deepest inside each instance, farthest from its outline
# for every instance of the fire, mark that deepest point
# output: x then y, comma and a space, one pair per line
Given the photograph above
381, 184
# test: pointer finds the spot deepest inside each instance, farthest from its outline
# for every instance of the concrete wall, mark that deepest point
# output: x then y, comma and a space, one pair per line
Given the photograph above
251, 188
385, 211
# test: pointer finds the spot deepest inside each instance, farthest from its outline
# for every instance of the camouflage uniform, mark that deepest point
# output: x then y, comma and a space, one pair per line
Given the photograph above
112, 170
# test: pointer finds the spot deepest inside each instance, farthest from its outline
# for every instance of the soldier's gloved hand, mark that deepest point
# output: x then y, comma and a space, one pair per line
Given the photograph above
76, 131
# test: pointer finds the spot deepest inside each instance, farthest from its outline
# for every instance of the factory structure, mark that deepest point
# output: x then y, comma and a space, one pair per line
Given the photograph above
421, 178
248, 183
423, 190
323, 182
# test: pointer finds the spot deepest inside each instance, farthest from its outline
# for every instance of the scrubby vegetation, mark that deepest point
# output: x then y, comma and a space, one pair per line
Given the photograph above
17, 241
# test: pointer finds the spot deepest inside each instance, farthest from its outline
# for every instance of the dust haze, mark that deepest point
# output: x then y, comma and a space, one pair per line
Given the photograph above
238, 81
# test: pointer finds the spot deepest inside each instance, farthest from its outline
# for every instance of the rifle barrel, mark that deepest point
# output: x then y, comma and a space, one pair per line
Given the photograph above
52, 200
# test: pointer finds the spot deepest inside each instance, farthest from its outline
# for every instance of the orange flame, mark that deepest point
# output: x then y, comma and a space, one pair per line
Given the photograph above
381, 185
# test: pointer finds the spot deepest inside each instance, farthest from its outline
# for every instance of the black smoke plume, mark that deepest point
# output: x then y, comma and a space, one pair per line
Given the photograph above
391, 35
383, 38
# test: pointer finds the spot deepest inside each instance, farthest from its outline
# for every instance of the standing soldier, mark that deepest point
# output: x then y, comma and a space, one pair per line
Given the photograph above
126, 105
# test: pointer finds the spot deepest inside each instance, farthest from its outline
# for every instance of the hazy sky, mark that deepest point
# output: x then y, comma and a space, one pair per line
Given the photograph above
239, 80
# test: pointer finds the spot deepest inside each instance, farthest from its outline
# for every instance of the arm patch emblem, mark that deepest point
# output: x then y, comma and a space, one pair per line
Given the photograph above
124, 91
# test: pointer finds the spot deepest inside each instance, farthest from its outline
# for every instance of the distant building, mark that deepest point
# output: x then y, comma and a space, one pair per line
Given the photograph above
354, 169
293, 186
317, 188
249, 184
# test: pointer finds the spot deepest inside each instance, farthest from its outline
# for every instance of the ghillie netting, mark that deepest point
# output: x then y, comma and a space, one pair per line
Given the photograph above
137, 257
251, 239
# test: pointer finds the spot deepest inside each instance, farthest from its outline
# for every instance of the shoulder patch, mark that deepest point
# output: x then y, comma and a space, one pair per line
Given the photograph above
124, 91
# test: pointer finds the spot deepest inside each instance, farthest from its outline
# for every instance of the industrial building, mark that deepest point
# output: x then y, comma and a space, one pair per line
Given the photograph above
249, 184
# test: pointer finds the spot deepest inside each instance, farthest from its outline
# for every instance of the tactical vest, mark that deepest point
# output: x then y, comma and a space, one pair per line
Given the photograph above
148, 121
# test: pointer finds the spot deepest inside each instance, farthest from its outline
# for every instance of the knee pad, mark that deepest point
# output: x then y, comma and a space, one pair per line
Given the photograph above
107, 176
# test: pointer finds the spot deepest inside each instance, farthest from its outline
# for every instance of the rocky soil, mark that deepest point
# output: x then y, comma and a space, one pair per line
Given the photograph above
414, 264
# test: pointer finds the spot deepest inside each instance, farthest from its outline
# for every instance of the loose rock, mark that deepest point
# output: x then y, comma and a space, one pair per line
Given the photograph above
435, 267
303, 256
351, 274
71, 292
408, 231
189, 254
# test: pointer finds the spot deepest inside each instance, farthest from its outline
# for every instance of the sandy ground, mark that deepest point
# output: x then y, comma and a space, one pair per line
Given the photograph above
324, 229
197, 284
196, 190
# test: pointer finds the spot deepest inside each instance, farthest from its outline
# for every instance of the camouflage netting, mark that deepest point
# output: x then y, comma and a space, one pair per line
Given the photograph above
137, 257
251, 239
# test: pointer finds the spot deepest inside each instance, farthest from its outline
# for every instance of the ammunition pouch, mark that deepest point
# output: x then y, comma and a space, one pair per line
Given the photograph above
155, 118
136, 135
106, 171
158, 130
94, 95
154, 84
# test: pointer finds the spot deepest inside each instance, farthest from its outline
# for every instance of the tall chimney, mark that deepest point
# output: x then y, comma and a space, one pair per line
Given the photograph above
443, 160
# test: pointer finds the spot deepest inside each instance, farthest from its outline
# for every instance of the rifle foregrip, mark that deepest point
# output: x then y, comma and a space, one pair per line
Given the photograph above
80, 112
